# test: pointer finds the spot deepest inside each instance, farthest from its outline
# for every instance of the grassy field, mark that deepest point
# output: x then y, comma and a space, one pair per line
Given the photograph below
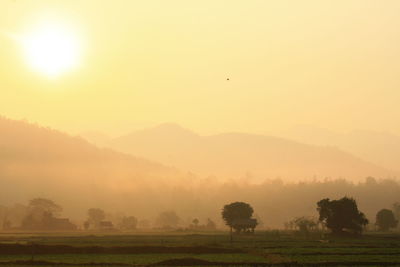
269, 248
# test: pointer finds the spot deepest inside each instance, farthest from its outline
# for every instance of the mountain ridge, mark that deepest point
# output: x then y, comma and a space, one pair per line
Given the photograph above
39, 161
379, 147
222, 155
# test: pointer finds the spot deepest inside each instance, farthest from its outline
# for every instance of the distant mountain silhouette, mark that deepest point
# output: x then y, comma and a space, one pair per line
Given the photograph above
235, 155
41, 162
37, 161
378, 147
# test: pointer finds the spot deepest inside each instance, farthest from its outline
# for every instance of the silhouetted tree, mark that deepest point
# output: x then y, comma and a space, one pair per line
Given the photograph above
45, 206
168, 219
237, 215
385, 220
40, 213
210, 225
195, 222
341, 215
42, 216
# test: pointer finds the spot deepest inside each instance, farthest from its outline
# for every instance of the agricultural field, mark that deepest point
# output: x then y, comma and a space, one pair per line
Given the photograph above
269, 248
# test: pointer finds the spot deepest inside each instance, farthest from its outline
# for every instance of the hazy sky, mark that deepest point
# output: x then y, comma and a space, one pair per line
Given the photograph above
333, 64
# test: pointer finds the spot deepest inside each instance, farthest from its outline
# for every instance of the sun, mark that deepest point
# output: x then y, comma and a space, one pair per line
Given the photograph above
51, 49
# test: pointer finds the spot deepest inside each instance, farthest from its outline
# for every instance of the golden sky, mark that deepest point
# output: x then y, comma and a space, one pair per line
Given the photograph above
333, 64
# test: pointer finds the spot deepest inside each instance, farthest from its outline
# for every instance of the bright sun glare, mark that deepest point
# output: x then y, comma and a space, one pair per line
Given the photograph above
51, 49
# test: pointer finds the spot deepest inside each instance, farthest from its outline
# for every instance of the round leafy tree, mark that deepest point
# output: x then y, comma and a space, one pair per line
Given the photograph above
341, 215
45, 206
385, 220
168, 219
237, 215
96, 215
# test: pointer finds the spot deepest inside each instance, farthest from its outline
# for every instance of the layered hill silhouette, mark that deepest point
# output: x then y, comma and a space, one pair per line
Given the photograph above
236, 155
42, 162
37, 161
378, 147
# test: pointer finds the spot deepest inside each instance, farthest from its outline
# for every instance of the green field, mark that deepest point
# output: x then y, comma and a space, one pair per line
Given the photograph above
213, 249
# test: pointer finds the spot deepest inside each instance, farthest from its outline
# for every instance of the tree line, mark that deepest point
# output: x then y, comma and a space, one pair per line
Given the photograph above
341, 216
43, 214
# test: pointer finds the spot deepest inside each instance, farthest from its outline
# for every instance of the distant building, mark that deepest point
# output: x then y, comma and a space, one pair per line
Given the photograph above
48, 223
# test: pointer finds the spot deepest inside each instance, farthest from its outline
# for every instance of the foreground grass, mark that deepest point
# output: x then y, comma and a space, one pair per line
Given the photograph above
134, 258
264, 247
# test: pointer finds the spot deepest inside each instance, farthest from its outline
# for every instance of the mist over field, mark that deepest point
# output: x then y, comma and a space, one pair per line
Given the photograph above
234, 154
199, 133
41, 162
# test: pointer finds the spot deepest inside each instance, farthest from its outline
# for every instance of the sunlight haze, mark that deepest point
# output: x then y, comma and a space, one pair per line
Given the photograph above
332, 64
199, 133
51, 50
